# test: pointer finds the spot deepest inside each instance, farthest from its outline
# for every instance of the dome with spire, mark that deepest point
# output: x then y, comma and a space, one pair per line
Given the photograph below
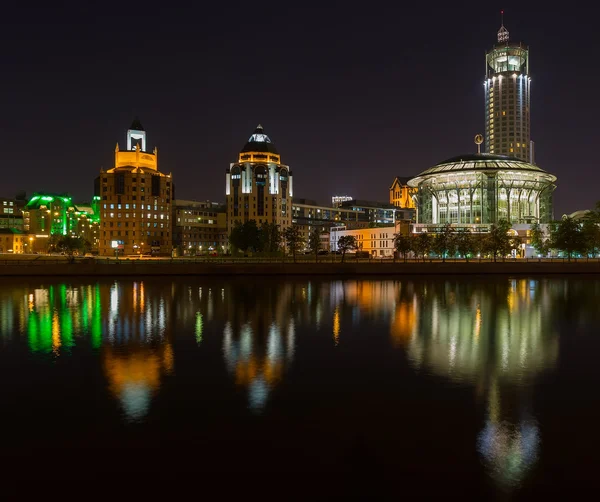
259, 142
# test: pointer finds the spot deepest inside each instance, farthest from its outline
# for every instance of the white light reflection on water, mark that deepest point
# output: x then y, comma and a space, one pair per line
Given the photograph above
479, 339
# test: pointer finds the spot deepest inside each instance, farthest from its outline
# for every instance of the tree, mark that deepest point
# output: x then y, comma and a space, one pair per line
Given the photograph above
421, 245
402, 245
314, 242
464, 242
443, 242
539, 241
70, 245
590, 238
346, 243
293, 240
567, 236
270, 238
498, 242
245, 236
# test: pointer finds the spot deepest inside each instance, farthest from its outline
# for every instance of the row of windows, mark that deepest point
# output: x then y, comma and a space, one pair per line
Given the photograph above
126, 224
133, 215
133, 206
117, 233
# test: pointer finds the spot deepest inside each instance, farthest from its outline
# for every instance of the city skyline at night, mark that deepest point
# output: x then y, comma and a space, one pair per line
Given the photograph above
353, 99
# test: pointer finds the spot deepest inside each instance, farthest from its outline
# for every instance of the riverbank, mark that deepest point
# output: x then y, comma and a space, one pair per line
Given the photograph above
124, 268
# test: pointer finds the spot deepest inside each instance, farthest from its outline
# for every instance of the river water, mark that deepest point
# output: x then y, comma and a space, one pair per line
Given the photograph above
470, 387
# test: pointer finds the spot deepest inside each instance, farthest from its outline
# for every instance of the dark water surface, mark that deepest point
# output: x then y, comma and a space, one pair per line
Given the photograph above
451, 387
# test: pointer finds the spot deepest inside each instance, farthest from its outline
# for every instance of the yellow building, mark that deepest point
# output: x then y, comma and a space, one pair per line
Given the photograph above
378, 241
401, 195
258, 186
135, 201
12, 241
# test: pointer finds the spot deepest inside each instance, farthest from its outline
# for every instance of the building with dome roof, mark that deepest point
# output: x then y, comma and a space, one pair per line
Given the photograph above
477, 190
258, 186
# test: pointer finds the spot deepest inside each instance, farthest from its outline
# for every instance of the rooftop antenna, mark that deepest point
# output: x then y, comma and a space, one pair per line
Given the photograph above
503, 35
478, 141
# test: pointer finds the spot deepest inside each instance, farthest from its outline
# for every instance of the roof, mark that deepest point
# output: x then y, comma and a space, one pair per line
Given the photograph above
42, 199
479, 162
259, 142
136, 125
369, 204
402, 180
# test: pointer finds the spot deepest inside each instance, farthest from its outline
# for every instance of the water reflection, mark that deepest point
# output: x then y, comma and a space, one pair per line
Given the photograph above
497, 337
259, 337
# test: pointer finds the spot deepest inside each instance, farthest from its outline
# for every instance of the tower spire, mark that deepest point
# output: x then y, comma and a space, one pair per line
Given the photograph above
503, 35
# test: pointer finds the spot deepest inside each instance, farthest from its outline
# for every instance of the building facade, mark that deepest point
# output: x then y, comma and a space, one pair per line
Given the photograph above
135, 201
258, 186
401, 194
378, 242
13, 241
199, 228
308, 215
508, 99
11, 212
477, 190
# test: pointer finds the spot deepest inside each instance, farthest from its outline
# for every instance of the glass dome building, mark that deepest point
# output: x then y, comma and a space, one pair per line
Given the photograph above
481, 189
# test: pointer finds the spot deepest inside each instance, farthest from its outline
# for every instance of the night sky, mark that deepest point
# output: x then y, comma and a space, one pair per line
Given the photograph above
351, 94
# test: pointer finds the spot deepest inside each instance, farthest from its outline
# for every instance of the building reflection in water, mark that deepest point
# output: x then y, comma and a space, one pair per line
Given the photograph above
499, 336
140, 352
124, 322
259, 336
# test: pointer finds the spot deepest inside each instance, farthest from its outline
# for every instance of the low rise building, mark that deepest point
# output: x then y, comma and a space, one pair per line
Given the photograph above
12, 241
377, 241
199, 228
11, 212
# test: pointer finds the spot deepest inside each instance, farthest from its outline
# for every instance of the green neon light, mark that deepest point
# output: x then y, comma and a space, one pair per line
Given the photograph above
47, 198
199, 327
45, 332
97, 319
32, 332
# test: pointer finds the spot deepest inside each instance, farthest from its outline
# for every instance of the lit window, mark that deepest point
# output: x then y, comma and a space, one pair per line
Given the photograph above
504, 112
511, 150
112, 215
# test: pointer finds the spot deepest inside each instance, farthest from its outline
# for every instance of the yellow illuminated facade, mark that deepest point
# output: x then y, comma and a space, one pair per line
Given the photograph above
258, 186
12, 241
135, 201
401, 195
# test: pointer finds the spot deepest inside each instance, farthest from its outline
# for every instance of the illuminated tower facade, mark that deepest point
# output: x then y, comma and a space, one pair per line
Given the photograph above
134, 200
259, 187
507, 99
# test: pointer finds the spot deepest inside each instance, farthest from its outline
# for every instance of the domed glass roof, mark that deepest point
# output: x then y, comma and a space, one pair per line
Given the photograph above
479, 162
259, 142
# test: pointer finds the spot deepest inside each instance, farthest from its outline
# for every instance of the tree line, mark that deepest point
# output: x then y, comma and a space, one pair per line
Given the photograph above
450, 243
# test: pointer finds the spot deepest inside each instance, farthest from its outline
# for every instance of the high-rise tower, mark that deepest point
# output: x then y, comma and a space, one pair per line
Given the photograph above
134, 200
507, 98
258, 186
